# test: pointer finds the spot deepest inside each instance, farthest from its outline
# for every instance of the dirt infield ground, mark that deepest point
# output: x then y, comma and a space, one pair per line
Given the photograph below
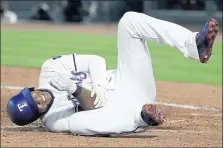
183, 127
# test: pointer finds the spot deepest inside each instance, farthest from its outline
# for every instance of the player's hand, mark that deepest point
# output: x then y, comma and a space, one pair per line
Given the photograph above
101, 97
62, 82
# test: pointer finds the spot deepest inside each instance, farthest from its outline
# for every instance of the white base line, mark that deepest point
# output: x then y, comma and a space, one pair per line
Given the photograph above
188, 106
160, 103
12, 87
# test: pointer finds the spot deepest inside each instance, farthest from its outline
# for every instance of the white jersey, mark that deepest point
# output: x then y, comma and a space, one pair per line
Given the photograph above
64, 104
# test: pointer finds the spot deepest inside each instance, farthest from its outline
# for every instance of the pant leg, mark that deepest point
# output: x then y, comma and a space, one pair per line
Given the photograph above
102, 121
134, 61
145, 27
135, 84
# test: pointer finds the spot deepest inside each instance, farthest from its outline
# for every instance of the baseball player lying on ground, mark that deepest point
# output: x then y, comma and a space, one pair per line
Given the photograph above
126, 106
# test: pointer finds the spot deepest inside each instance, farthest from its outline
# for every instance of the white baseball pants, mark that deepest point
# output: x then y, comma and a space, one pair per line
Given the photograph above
135, 84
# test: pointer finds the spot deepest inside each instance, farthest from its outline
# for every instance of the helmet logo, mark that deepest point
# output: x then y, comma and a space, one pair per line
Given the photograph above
20, 106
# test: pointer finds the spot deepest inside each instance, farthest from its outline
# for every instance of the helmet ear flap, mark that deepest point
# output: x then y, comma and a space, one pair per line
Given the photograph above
22, 109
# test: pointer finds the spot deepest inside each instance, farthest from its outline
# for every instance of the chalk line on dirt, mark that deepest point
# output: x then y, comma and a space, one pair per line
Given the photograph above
12, 87
187, 106
160, 103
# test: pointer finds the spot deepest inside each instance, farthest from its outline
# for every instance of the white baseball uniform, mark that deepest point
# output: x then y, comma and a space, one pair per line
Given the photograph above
134, 80
90, 70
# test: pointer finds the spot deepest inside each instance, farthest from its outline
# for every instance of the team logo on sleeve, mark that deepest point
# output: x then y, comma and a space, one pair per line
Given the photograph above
78, 77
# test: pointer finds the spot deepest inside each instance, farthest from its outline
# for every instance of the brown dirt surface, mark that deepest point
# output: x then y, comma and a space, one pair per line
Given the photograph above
182, 127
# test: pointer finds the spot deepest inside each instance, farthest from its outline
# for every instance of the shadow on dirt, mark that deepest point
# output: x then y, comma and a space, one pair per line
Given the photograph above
23, 129
170, 128
40, 128
120, 136
136, 136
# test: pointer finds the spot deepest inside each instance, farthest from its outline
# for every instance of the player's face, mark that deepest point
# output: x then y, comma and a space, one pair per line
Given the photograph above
42, 99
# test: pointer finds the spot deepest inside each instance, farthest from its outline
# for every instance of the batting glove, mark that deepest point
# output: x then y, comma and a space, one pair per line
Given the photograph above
101, 98
62, 82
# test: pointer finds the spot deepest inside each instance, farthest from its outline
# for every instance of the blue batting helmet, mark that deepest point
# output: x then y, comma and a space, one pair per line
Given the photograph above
22, 109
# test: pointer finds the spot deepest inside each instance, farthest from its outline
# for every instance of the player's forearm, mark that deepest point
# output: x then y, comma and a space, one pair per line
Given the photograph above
95, 65
84, 97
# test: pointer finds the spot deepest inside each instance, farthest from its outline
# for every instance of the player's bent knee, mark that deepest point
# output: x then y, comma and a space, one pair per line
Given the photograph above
129, 14
127, 20
129, 17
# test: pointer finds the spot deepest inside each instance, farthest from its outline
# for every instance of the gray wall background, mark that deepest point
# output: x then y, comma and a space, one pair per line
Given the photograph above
110, 11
